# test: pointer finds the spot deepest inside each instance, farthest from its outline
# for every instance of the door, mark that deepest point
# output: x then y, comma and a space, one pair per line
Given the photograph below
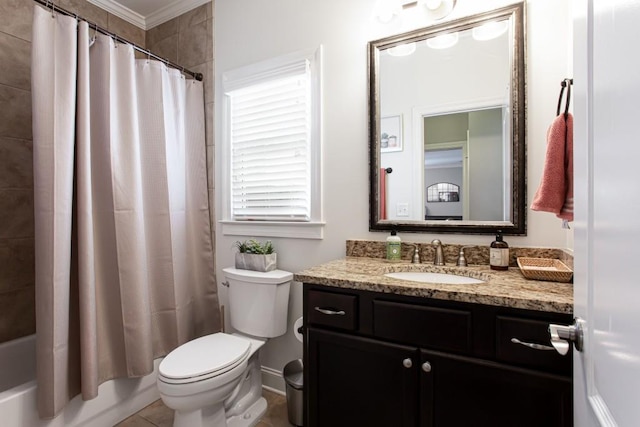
607, 200
355, 381
461, 391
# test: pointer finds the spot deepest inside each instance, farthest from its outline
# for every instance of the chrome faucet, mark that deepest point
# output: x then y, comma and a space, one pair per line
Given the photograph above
439, 257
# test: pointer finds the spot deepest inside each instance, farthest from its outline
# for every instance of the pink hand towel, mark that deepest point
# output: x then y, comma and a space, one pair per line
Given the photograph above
382, 214
555, 193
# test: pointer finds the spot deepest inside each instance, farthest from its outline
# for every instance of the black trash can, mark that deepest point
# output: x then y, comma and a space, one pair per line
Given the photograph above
292, 374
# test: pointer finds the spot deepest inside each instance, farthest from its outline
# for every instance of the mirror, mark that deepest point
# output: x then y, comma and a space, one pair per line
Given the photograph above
447, 127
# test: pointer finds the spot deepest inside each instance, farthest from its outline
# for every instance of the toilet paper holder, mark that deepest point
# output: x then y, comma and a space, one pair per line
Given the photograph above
298, 329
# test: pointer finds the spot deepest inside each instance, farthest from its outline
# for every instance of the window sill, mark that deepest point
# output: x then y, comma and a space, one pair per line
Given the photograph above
291, 230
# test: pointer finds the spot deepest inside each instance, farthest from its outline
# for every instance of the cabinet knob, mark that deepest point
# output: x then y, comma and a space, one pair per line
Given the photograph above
407, 363
426, 366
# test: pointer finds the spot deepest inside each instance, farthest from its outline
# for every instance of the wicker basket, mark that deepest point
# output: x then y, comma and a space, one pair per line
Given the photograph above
552, 270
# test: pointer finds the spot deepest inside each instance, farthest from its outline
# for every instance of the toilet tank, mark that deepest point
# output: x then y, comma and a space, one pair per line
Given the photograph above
258, 301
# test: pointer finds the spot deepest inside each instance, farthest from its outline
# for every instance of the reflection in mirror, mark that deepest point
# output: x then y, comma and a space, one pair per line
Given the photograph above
452, 96
443, 192
468, 149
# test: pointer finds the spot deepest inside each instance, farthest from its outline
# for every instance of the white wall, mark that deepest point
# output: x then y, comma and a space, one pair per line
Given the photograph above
247, 31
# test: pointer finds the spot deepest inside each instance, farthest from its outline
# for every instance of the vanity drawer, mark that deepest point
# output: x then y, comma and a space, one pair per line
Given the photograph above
332, 309
428, 327
529, 331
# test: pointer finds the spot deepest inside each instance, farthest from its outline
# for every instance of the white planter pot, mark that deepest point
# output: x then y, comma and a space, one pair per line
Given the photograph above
256, 262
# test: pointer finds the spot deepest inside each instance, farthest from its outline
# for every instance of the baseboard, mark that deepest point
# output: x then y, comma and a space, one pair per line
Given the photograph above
273, 380
273, 390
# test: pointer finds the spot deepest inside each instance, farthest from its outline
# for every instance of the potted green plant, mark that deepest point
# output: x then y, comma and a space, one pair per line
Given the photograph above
255, 255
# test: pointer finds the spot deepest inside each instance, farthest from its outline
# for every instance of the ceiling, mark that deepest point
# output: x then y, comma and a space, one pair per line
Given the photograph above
147, 14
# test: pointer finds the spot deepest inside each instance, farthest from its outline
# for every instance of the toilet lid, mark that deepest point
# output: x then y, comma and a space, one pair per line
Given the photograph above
273, 277
204, 356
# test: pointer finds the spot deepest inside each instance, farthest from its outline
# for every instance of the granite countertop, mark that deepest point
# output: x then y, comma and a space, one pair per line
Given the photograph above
500, 288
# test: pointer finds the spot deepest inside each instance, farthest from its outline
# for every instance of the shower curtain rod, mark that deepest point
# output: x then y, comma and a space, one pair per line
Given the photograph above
49, 4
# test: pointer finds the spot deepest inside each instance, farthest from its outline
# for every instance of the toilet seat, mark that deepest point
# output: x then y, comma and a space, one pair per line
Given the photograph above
203, 358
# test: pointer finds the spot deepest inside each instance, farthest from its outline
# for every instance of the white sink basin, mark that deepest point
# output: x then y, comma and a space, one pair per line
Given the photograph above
425, 277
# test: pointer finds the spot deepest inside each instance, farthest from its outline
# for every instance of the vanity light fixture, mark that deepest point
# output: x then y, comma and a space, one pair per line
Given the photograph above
489, 31
444, 41
386, 11
402, 49
438, 9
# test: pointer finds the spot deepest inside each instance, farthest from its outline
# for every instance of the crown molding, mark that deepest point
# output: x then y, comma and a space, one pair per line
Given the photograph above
156, 18
171, 11
121, 11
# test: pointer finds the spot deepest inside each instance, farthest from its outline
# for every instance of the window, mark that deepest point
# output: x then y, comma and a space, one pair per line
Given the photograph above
443, 192
272, 148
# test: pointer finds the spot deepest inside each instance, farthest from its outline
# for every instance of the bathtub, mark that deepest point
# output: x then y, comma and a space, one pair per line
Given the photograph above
117, 399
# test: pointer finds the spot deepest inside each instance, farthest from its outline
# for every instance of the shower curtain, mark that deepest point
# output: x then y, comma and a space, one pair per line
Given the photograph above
124, 257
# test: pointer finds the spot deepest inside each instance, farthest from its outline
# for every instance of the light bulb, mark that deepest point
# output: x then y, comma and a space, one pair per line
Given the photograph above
402, 49
387, 10
438, 9
433, 4
489, 31
443, 42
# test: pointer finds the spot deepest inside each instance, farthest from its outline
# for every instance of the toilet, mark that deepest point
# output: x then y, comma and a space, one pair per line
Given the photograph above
215, 380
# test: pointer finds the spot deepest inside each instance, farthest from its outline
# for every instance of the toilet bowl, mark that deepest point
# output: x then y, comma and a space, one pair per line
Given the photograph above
215, 380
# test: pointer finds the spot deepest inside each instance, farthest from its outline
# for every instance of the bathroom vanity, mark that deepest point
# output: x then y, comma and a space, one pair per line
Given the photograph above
386, 352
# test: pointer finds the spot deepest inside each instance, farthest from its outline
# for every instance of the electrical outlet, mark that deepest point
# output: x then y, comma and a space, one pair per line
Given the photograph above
402, 209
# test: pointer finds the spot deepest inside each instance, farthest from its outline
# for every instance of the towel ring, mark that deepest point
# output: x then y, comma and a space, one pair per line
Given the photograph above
566, 83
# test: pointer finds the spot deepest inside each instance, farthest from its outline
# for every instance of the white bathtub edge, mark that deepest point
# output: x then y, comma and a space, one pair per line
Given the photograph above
123, 405
117, 400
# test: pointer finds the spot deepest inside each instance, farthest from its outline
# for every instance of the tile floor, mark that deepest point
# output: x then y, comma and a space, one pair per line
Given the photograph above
158, 415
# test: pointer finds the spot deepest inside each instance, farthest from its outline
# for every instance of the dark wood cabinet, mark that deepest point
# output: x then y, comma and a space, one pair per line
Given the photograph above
361, 382
374, 359
462, 391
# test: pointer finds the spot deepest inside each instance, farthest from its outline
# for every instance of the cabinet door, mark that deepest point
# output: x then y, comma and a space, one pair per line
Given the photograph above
459, 391
355, 381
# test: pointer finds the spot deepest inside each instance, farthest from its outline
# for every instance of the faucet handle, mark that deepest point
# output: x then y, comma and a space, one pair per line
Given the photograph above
462, 261
416, 255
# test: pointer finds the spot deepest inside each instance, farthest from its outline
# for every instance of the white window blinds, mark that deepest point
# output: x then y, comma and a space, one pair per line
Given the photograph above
270, 132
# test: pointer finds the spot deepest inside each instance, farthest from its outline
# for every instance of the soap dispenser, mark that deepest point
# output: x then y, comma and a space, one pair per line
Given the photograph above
499, 254
394, 247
